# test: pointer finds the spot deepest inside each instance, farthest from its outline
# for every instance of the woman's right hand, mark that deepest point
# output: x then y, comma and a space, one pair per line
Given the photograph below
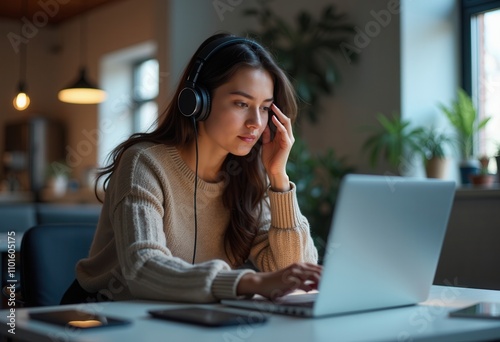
303, 276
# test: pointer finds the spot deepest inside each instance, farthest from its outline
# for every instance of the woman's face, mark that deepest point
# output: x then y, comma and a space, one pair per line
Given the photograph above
239, 113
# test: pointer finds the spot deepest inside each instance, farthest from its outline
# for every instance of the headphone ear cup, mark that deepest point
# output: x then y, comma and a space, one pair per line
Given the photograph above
205, 104
194, 102
188, 101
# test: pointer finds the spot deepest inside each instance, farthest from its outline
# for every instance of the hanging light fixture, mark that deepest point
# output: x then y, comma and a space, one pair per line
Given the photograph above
22, 100
82, 91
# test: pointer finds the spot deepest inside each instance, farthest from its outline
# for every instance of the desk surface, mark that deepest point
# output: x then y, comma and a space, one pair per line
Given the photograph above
428, 321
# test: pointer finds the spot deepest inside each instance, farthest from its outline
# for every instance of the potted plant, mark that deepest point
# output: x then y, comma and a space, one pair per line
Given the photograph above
58, 173
306, 49
484, 178
432, 145
394, 140
462, 115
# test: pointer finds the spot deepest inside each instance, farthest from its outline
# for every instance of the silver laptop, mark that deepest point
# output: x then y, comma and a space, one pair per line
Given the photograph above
382, 251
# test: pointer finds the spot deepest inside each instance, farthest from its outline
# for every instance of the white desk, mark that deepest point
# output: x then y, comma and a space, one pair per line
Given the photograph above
425, 322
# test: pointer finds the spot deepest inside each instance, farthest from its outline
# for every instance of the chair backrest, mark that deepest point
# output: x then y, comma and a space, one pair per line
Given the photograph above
49, 254
68, 213
17, 217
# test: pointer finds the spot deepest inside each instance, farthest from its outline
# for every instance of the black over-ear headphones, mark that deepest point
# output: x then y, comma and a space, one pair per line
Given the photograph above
194, 99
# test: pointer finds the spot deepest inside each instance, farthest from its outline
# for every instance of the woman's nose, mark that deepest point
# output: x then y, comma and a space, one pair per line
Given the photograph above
255, 119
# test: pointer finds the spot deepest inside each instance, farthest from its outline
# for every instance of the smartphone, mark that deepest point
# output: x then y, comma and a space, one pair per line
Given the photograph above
210, 317
270, 123
479, 310
77, 319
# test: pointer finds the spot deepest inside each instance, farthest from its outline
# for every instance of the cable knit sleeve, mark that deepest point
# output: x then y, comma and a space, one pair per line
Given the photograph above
147, 265
152, 272
284, 236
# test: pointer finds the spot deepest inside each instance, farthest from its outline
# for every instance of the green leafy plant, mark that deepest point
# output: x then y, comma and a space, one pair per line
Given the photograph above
305, 50
317, 178
462, 115
393, 140
432, 143
58, 169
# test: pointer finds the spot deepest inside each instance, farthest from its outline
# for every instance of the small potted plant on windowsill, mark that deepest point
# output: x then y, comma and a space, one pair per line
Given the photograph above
462, 115
432, 145
484, 178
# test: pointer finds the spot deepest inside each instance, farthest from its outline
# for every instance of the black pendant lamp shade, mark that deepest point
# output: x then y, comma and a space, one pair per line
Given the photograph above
82, 91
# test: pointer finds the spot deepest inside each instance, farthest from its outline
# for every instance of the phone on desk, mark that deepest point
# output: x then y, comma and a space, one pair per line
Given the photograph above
479, 310
77, 319
210, 317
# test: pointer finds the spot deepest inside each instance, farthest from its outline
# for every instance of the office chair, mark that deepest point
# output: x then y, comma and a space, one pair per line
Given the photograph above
48, 257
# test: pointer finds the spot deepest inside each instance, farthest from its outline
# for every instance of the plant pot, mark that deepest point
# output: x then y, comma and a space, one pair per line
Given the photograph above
497, 158
468, 168
57, 185
482, 180
436, 168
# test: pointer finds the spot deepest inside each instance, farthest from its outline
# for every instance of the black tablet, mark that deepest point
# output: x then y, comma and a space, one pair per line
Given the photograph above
77, 319
209, 316
479, 310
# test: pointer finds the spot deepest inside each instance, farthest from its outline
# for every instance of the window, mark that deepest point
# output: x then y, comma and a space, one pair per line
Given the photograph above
131, 79
145, 91
481, 66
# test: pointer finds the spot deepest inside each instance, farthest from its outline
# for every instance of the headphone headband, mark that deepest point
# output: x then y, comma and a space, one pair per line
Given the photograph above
209, 50
194, 100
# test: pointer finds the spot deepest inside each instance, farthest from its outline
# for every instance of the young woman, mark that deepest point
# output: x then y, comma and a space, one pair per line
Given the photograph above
189, 204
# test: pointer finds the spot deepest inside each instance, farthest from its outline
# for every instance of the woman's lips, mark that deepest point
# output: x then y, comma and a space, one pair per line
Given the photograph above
247, 138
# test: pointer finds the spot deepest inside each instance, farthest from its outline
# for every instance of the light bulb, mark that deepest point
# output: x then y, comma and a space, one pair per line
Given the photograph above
21, 101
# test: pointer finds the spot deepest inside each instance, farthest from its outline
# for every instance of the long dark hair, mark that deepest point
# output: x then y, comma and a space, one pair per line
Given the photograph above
245, 189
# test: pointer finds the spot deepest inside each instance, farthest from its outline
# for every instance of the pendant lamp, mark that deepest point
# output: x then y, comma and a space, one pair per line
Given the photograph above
82, 91
22, 100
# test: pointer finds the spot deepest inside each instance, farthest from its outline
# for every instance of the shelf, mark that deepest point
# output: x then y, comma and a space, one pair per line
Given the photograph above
470, 191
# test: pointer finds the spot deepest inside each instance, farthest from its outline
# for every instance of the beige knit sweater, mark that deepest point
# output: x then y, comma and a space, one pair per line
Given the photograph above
143, 245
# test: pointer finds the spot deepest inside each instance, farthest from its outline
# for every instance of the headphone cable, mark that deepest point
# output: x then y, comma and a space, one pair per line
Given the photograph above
195, 190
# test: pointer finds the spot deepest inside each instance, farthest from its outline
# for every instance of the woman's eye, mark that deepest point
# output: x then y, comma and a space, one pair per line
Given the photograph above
266, 109
241, 104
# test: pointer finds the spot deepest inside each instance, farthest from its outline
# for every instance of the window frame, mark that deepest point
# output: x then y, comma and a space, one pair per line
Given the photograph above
136, 102
469, 9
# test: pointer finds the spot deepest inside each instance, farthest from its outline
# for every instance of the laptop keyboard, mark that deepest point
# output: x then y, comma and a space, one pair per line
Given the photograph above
305, 300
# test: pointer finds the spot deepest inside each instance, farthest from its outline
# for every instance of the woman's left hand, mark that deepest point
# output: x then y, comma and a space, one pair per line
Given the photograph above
275, 152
